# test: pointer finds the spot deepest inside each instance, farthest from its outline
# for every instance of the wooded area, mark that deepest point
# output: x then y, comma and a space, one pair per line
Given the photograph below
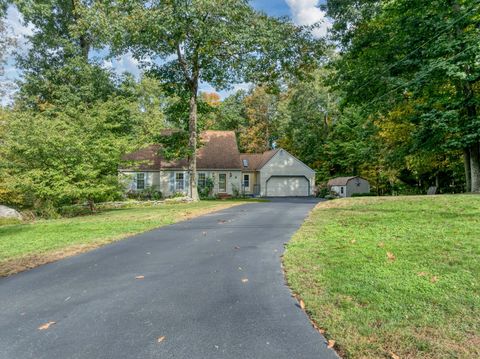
391, 94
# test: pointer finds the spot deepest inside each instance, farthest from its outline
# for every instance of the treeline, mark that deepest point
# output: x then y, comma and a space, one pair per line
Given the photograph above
72, 118
397, 101
392, 94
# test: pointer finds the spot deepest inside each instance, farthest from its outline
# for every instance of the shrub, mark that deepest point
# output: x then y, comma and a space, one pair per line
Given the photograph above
148, 194
363, 195
330, 196
323, 192
206, 191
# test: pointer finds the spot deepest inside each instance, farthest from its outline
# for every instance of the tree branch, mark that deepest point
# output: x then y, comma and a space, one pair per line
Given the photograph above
183, 63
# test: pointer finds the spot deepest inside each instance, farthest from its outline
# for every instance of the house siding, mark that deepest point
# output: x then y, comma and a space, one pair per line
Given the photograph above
284, 164
357, 185
354, 185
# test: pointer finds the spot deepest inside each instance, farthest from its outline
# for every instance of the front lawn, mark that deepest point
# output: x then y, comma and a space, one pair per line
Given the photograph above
392, 277
27, 245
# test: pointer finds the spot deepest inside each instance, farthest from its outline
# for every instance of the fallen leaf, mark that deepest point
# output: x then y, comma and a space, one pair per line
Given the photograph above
421, 274
244, 280
390, 256
353, 241
46, 325
161, 339
434, 279
331, 343
140, 277
381, 244
302, 304
321, 331
394, 356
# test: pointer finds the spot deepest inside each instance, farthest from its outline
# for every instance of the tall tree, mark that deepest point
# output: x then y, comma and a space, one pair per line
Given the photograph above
420, 54
215, 41
7, 42
59, 53
260, 130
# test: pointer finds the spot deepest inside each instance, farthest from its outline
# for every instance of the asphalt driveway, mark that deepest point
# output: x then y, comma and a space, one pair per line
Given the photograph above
213, 287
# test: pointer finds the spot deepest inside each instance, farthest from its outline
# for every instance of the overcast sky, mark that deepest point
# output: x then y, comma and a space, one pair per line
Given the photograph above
302, 12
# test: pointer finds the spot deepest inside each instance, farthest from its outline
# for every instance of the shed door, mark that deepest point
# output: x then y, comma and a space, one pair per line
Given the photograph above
287, 187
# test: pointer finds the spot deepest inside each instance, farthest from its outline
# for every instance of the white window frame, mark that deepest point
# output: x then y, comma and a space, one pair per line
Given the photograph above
144, 180
179, 182
221, 190
246, 175
204, 180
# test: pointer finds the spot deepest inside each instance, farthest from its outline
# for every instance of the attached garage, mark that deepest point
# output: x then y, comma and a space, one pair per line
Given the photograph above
287, 186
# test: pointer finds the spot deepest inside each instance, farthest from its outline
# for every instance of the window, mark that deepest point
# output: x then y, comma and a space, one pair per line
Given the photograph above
140, 180
222, 182
341, 190
202, 180
245, 163
246, 181
179, 181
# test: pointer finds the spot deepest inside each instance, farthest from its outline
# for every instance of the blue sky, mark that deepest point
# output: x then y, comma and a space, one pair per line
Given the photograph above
302, 12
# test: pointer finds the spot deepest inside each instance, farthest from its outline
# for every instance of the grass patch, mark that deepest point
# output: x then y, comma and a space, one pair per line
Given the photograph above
26, 245
392, 276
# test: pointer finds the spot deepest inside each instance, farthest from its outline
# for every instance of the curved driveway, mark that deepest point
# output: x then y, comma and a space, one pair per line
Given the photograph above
213, 288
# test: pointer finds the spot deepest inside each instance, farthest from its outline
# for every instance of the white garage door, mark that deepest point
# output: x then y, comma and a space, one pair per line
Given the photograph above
287, 187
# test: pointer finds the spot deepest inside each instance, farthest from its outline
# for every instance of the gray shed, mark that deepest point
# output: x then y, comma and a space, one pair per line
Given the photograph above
346, 186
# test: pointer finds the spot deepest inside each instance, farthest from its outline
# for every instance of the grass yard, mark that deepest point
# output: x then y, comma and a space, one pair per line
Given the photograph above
26, 245
392, 277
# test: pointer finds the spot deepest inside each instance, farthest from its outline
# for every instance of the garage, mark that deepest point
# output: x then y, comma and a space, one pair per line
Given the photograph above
287, 186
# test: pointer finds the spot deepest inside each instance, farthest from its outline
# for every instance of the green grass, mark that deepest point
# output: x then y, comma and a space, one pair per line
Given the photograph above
423, 303
33, 243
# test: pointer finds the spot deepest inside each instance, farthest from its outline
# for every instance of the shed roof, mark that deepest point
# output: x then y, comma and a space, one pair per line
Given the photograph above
340, 181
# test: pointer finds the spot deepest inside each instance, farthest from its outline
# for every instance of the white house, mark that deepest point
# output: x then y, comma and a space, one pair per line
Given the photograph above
346, 186
274, 173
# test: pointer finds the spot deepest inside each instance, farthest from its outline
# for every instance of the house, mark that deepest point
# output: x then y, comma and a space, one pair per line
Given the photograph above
346, 186
272, 173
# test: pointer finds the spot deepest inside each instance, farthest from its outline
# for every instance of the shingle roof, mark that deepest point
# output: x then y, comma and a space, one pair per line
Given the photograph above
340, 181
256, 160
146, 159
218, 151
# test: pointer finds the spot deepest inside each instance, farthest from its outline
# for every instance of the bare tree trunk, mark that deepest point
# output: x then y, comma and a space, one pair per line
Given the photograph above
475, 167
468, 171
192, 143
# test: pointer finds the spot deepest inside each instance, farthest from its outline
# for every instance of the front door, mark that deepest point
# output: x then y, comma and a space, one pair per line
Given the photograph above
222, 183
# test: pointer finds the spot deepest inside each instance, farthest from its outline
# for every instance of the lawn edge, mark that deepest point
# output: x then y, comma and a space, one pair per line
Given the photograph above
301, 304
13, 266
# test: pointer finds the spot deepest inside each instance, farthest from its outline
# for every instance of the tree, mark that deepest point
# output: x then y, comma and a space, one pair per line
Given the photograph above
260, 131
7, 42
214, 41
420, 54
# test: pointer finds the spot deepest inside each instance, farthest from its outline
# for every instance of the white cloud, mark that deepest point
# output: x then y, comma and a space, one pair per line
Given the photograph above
125, 63
307, 12
16, 29
14, 22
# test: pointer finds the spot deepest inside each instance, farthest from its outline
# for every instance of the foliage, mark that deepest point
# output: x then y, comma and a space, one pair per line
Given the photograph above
148, 194
207, 190
54, 159
175, 41
420, 60
388, 286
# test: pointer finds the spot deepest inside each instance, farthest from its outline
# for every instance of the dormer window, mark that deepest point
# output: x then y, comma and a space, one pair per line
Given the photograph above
245, 163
